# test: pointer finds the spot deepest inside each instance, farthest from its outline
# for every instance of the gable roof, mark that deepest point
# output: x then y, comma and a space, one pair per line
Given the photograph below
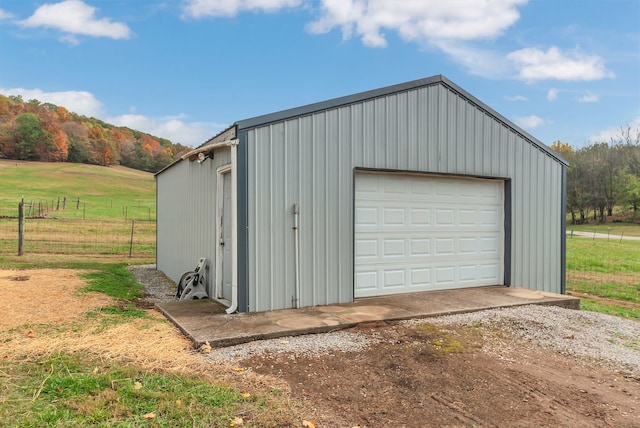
266, 119
257, 121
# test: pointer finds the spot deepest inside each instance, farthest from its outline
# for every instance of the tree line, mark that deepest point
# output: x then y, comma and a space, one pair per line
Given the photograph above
46, 132
603, 179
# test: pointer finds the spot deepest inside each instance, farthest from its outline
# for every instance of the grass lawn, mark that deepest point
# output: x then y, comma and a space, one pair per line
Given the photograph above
605, 274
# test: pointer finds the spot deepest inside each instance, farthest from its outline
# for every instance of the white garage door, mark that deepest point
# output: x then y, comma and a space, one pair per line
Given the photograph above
419, 233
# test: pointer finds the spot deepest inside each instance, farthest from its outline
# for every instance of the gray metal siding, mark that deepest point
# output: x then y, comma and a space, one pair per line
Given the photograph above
186, 205
311, 159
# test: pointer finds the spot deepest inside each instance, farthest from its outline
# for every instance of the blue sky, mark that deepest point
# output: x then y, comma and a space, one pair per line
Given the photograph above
565, 70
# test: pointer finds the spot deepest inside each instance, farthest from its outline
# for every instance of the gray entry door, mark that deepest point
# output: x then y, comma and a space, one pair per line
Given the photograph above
225, 238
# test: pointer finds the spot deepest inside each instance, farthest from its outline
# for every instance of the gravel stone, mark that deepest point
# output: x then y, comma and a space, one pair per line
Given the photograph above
612, 341
296, 346
157, 286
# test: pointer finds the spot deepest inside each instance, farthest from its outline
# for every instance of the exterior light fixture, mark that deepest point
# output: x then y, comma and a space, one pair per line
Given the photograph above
203, 157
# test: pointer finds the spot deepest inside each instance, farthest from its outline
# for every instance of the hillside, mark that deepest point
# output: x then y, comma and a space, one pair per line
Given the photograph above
102, 192
45, 132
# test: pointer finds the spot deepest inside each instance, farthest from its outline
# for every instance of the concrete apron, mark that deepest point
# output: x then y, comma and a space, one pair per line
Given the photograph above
205, 321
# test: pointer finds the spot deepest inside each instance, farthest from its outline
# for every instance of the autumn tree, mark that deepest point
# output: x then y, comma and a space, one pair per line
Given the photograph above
33, 142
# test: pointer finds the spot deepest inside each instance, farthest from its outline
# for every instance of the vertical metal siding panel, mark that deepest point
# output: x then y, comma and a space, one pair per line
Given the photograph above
460, 153
401, 128
279, 215
319, 205
356, 139
554, 213
471, 138
433, 137
368, 134
389, 139
345, 208
532, 222
252, 276
380, 116
331, 208
292, 181
453, 162
307, 215
478, 141
546, 229
486, 144
519, 221
503, 165
413, 109
423, 130
263, 224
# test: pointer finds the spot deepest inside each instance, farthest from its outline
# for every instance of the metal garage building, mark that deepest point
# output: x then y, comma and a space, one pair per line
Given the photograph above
413, 187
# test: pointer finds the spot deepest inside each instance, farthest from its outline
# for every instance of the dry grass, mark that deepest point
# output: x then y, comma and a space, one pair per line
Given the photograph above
43, 312
619, 277
44, 296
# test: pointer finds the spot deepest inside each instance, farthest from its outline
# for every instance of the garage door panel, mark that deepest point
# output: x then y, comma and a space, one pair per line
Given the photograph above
417, 233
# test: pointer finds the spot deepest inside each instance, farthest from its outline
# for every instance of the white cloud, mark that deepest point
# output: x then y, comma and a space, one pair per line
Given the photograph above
516, 98
80, 102
614, 133
426, 20
552, 95
481, 62
202, 8
5, 15
588, 98
173, 128
530, 122
76, 17
535, 64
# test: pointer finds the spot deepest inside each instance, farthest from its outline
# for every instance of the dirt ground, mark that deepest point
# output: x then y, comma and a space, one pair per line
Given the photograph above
420, 376
415, 376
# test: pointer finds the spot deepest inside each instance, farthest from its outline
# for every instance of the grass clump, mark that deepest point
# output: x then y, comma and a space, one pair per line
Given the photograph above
115, 281
63, 390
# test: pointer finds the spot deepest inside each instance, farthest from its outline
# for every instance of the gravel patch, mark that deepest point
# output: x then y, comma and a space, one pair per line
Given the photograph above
296, 346
610, 340
157, 287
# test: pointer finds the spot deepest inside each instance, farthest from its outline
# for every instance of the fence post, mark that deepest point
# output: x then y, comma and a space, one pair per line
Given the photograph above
133, 222
21, 228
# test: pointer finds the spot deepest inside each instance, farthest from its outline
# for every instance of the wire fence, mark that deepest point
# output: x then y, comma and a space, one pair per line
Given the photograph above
604, 264
130, 237
84, 209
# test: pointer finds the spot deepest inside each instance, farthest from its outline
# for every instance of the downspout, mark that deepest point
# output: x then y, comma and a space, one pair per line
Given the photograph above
234, 227
296, 209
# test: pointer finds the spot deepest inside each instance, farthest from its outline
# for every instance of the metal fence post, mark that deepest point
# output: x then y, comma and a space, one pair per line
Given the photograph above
21, 228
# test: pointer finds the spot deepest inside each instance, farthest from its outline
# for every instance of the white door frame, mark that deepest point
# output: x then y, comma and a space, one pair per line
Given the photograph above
220, 172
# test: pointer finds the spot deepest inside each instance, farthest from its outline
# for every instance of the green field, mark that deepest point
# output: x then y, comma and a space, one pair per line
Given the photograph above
77, 210
104, 193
